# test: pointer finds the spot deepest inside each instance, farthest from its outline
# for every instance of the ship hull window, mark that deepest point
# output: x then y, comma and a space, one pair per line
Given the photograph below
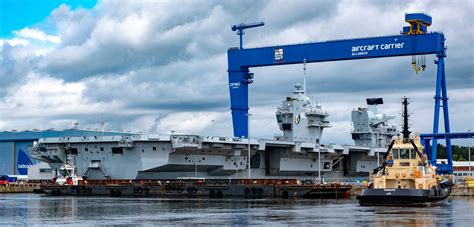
73, 151
117, 150
279, 118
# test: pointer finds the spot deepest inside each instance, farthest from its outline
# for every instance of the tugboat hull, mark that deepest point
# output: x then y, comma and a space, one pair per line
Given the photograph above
400, 197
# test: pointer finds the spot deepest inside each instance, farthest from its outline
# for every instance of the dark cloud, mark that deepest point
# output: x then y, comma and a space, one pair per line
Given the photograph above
16, 62
128, 36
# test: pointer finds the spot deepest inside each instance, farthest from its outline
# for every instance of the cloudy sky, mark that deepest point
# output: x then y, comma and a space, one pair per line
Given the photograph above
156, 66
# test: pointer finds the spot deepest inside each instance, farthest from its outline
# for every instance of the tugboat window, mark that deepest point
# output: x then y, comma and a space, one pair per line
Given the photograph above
404, 154
412, 154
395, 154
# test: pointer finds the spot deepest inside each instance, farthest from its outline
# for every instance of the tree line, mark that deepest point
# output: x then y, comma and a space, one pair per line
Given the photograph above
460, 153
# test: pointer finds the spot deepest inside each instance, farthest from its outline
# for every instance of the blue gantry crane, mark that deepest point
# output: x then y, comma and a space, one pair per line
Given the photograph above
414, 40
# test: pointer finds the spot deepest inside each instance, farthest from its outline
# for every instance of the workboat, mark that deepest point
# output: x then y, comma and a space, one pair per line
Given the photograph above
67, 175
405, 177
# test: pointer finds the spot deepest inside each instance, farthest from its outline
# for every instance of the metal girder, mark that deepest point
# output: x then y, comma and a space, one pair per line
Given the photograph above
350, 49
452, 135
432, 151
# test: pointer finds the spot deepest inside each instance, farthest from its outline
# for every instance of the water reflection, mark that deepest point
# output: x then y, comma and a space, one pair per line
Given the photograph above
35, 209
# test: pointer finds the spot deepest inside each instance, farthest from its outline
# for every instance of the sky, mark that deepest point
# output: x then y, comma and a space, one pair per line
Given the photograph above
154, 66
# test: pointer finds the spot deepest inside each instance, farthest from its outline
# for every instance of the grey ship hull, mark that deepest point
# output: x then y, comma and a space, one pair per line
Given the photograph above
187, 156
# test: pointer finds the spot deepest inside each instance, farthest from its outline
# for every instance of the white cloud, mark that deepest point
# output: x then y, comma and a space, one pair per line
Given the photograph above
188, 122
14, 42
32, 33
42, 100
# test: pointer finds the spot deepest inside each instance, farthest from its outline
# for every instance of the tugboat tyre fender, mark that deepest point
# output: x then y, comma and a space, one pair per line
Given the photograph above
404, 175
219, 194
420, 186
212, 193
192, 190
397, 175
247, 191
285, 194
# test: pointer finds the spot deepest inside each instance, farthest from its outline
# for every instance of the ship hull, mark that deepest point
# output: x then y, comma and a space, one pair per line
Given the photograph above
402, 197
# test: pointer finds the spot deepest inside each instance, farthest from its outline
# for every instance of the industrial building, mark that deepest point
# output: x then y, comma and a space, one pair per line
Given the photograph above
11, 142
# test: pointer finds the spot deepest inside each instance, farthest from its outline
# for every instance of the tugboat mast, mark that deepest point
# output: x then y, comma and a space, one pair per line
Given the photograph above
405, 115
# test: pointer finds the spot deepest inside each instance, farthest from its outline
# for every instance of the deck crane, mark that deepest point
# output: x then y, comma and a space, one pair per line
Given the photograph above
414, 40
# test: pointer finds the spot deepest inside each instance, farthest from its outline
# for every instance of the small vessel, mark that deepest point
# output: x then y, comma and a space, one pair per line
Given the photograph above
67, 175
405, 177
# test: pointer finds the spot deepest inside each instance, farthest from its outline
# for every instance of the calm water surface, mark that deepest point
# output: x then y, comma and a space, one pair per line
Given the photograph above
30, 209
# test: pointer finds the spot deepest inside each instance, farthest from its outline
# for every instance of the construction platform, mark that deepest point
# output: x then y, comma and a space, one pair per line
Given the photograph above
201, 188
19, 188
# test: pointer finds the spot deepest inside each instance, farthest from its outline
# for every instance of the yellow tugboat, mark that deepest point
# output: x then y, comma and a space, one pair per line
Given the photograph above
405, 177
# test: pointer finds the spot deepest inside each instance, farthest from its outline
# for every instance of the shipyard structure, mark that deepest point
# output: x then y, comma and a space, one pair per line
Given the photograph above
296, 154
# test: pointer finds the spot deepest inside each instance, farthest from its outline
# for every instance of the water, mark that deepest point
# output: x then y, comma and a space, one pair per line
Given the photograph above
31, 209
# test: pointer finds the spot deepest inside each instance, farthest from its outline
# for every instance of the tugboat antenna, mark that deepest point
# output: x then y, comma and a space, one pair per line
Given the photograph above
406, 133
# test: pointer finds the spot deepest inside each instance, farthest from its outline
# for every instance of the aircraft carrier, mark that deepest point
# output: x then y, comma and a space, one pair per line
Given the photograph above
296, 154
